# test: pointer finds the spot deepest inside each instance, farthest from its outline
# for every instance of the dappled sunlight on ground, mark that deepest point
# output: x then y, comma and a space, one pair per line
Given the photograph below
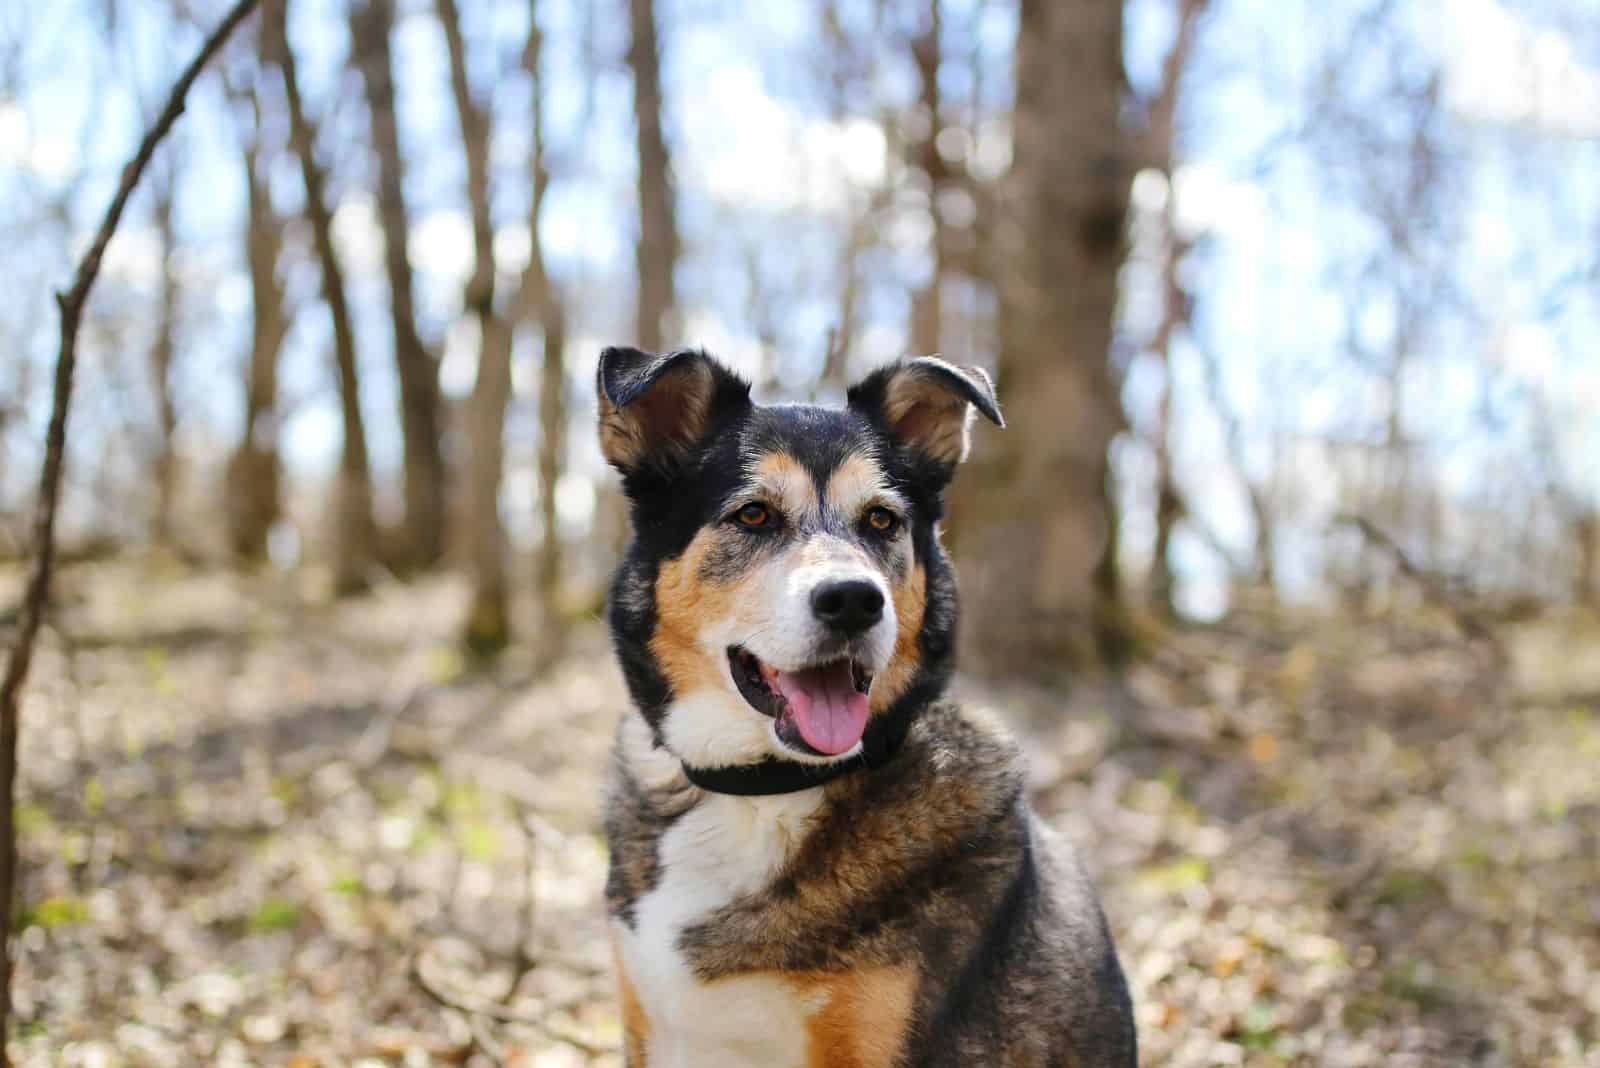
245, 818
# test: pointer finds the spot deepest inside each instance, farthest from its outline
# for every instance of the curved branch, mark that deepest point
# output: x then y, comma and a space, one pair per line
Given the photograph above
36, 600
473, 1006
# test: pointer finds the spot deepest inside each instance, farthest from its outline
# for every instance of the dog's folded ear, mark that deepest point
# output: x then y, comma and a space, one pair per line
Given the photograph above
927, 405
654, 408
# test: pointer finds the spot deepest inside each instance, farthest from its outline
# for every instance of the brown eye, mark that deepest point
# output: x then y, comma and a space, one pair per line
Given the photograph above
753, 515
882, 520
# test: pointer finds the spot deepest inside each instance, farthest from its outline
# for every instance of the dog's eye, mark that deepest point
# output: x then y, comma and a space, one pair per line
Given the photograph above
754, 516
882, 520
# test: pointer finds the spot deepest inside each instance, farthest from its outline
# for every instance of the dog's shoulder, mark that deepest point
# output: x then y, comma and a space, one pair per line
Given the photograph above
1040, 976
646, 794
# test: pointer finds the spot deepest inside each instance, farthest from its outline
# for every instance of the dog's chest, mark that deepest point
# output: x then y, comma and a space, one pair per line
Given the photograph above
722, 849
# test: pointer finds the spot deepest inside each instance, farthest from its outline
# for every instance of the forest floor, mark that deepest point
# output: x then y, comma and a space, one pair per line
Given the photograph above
259, 829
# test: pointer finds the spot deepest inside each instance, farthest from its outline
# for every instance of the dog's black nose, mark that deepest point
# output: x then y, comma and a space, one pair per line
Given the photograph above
848, 607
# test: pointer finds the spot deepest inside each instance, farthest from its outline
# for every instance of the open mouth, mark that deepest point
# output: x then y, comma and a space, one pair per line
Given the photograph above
821, 709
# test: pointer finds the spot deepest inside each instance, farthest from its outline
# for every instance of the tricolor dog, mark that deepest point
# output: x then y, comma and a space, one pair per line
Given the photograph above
816, 858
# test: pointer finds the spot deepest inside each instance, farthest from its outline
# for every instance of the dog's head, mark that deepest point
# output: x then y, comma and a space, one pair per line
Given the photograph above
785, 593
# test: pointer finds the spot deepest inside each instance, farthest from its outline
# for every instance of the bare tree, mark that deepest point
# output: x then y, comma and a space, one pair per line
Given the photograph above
658, 229
421, 415
538, 295
1036, 519
1259, 493
1175, 303
162, 348
356, 532
252, 493
36, 599
488, 626
927, 53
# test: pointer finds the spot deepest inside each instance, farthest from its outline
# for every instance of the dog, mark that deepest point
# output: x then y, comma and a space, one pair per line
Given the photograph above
816, 858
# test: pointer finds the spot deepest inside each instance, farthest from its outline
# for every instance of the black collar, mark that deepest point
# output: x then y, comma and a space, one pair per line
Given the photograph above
770, 776
775, 776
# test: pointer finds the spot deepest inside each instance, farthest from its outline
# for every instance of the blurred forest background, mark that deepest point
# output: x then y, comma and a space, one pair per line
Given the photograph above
1287, 565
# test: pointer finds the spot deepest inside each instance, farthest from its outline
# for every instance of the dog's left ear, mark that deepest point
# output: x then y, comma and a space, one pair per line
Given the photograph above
927, 404
654, 408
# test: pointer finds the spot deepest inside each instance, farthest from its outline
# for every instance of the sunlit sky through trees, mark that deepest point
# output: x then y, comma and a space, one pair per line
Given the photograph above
1294, 134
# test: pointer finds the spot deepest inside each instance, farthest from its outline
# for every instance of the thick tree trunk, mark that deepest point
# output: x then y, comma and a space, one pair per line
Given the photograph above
252, 493
658, 229
488, 627
356, 532
927, 304
371, 25
1586, 584
1035, 515
488, 618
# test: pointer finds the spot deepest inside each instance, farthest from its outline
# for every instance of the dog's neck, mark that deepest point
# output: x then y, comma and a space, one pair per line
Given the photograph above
774, 775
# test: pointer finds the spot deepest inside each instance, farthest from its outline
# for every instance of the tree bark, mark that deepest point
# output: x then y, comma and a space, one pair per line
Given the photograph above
1036, 514
421, 421
161, 353
36, 598
1163, 133
488, 626
927, 304
252, 494
356, 532
657, 250
538, 295
1586, 583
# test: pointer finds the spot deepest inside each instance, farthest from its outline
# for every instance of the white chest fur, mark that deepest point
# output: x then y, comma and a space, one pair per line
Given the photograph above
722, 848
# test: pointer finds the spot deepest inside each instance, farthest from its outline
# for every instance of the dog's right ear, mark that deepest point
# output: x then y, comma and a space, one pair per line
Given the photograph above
654, 408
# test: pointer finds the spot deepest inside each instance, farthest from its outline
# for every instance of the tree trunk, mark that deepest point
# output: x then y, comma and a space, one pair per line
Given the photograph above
252, 494
1175, 301
658, 229
927, 304
36, 598
538, 294
552, 448
371, 24
356, 533
488, 618
1586, 585
1036, 514
161, 353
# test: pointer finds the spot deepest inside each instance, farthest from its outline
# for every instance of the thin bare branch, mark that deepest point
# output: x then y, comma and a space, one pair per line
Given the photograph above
36, 602
473, 1005
1432, 585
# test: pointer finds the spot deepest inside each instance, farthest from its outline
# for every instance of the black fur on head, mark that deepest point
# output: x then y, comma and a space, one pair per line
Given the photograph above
684, 434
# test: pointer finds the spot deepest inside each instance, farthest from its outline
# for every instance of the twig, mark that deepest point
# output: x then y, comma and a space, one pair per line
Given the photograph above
472, 1005
373, 745
1469, 625
486, 1042
37, 600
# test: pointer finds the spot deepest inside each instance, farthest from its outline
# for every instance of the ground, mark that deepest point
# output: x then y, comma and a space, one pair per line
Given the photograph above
257, 828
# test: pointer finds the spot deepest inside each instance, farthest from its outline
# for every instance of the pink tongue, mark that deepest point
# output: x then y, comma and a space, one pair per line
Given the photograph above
830, 713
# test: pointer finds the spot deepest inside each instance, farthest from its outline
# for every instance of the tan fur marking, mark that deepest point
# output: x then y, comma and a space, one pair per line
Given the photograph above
635, 1025
924, 411
786, 483
684, 602
673, 413
910, 601
856, 482
863, 1022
